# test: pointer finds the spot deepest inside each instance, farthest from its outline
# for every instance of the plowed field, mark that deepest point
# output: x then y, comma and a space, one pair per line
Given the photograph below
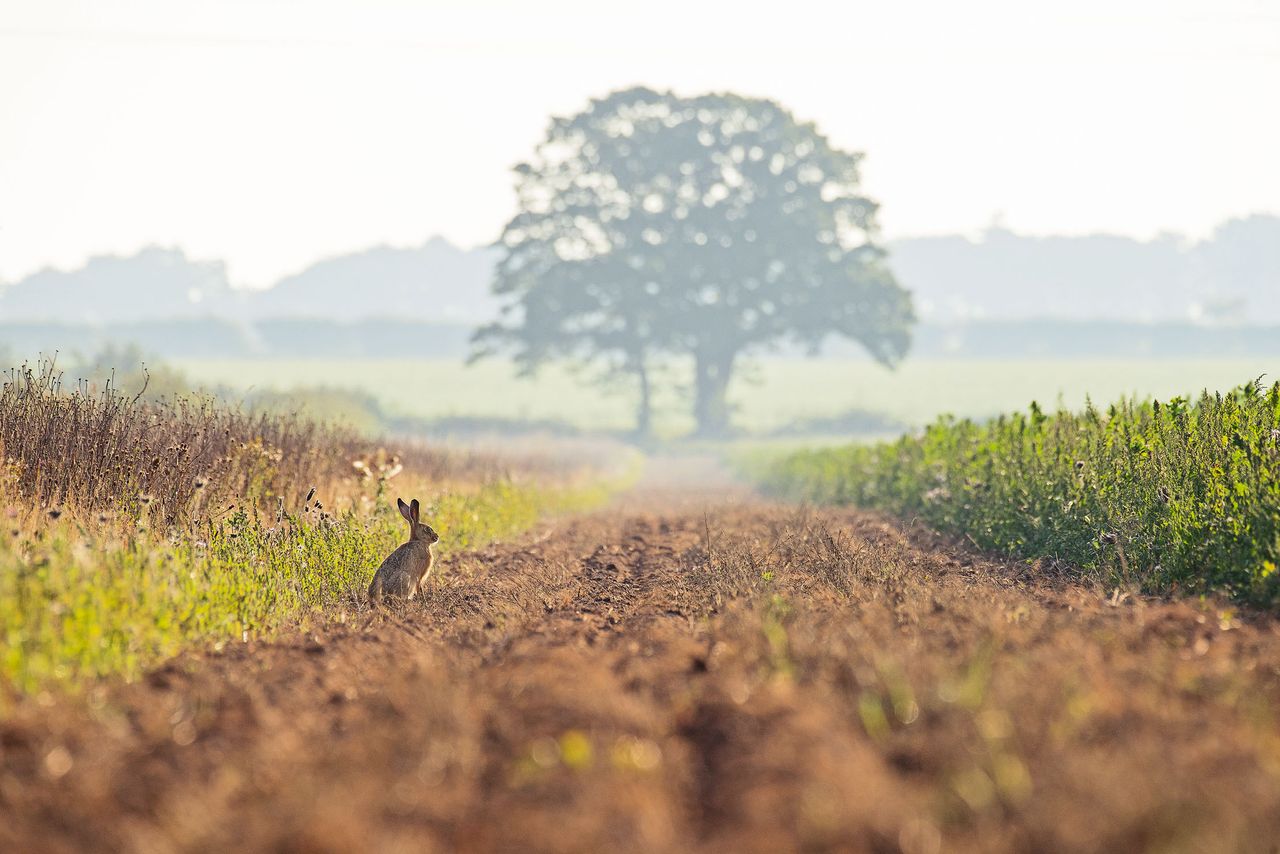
709, 673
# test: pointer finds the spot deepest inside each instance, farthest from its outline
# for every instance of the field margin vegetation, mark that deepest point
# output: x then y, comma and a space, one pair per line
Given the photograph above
1177, 496
133, 529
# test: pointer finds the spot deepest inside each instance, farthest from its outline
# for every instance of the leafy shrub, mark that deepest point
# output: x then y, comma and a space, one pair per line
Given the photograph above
1183, 495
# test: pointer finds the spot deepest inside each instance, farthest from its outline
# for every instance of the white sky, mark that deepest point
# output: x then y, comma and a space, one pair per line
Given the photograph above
273, 133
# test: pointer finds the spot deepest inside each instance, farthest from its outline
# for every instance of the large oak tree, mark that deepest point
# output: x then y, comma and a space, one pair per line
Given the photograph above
716, 226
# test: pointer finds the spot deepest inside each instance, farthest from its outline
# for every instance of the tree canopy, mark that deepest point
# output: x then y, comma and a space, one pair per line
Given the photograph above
715, 226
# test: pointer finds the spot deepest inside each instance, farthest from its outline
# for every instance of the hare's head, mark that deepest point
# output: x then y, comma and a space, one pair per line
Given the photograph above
417, 530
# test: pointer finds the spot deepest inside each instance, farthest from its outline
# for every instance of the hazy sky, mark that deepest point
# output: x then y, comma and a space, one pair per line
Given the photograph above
273, 133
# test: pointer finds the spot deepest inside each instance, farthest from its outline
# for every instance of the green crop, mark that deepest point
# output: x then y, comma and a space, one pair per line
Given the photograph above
1183, 495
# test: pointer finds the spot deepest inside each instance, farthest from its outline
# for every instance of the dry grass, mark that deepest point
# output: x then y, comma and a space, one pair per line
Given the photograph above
102, 451
135, 529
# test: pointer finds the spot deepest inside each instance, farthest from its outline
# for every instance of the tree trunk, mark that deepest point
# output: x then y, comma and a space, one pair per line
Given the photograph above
711, 382
644, 408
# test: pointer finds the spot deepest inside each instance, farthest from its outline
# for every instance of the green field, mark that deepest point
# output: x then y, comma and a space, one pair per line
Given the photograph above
767, 396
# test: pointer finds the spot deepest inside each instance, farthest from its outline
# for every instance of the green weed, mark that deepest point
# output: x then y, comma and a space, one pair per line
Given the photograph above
77, 604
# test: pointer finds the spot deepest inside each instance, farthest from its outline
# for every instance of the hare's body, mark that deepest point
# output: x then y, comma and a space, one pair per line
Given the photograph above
402, 573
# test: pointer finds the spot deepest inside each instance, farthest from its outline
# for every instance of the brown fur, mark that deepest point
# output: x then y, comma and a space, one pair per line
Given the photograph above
402, 573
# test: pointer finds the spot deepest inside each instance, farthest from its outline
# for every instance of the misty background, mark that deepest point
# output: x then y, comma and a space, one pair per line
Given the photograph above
265, 198
999, 294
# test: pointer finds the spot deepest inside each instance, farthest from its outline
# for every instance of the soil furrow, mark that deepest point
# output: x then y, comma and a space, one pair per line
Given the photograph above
739, 678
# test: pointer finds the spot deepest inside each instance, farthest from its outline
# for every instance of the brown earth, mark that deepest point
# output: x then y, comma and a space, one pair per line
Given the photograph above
664, 677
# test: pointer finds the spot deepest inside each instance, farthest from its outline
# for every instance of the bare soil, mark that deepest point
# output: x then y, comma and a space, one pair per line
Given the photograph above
717, 674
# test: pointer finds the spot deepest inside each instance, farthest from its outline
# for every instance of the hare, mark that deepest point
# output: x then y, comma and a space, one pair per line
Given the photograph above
402, 572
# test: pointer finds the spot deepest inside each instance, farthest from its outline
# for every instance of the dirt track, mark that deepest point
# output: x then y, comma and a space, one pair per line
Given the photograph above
658, 678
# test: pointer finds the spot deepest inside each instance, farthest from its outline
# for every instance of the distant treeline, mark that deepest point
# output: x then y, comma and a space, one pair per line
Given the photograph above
216, 338
1230, 276
370, 339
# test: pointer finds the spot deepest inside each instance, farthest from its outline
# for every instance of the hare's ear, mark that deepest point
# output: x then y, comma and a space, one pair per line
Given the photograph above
405, 511
414, 508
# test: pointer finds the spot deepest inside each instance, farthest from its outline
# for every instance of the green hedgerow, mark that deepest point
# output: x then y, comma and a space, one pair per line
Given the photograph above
1182, 495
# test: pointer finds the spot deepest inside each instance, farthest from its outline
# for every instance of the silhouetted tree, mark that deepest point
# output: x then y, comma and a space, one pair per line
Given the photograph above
712, 227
